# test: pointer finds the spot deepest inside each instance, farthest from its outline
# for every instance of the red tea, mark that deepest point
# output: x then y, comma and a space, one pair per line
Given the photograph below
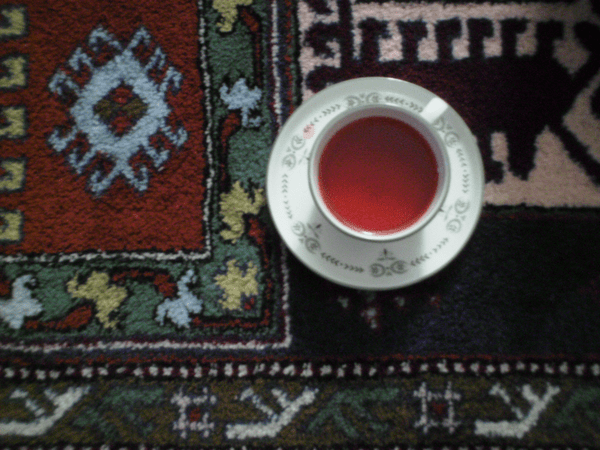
378, 174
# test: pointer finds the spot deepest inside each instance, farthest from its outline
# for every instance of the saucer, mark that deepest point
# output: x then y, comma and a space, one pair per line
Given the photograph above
348, 260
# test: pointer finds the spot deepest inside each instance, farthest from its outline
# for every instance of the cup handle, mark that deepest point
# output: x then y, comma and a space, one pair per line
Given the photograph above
434, 109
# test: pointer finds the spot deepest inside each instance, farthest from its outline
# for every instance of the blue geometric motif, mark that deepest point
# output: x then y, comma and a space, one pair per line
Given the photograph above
180, 308
242, 98
117, 110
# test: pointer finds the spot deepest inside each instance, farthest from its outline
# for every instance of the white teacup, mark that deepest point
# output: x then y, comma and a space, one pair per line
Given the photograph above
378, 172
375, 183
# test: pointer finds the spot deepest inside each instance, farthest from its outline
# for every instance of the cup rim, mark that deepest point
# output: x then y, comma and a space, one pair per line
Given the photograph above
415, 121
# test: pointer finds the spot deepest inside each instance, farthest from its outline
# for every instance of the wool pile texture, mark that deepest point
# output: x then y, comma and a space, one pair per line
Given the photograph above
147, 300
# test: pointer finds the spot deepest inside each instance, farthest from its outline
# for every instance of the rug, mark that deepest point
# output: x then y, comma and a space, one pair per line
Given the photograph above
146, 300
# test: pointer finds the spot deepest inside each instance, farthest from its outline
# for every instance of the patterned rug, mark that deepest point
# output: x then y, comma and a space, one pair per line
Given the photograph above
146, 299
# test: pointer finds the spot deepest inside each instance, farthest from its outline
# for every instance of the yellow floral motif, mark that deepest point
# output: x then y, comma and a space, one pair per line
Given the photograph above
234, 205
15, 70
11, 226
229, 12
235, 284
16, 123
106, 297
13, 21
14, 178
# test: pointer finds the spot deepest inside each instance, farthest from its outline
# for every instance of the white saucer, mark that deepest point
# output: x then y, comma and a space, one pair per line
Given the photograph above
355, 262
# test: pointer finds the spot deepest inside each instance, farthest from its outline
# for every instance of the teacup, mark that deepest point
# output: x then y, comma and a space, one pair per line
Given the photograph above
380, 172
